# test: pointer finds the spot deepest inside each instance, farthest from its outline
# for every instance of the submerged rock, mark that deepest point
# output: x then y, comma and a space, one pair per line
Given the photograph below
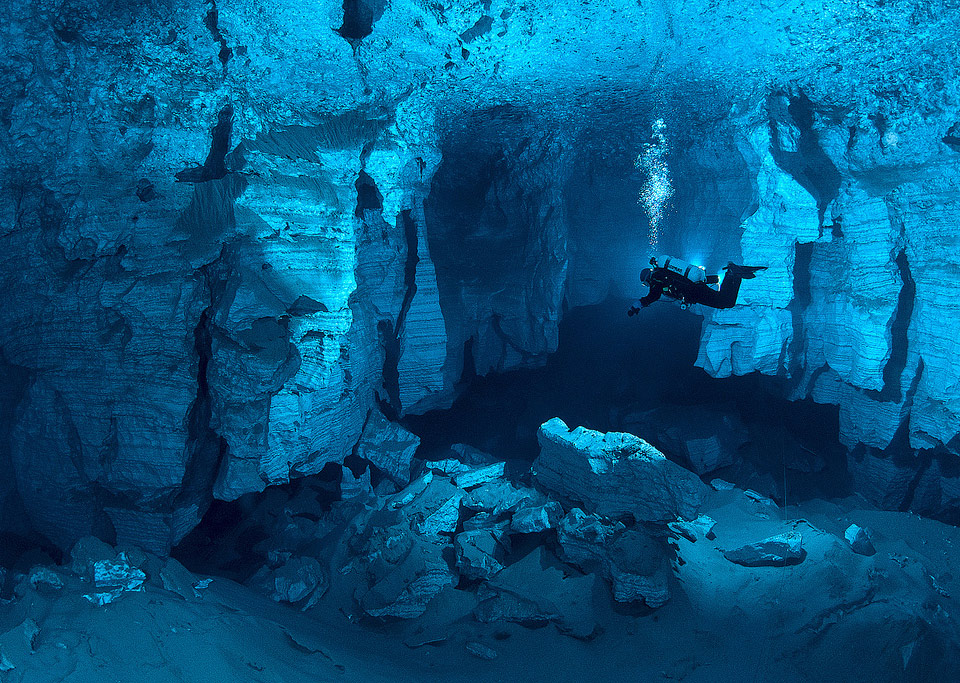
634, 563
534, 519
388, 446
702, 526
480, 475
297, 579
859, 540
481, 651
476, 552
775, 551
615, 474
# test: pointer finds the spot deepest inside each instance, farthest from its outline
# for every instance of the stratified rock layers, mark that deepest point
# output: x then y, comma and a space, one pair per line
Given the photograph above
231, 232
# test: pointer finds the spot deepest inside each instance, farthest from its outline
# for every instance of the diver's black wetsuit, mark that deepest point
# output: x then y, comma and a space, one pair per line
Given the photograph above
676, 286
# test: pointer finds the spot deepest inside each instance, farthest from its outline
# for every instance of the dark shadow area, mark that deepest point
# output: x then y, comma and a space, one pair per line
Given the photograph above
608, 364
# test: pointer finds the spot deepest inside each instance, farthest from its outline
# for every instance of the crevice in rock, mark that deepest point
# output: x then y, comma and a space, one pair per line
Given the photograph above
359, 16
893, 370
392, 335
804, 160
215, 166
212, 21
206, 448
801, 299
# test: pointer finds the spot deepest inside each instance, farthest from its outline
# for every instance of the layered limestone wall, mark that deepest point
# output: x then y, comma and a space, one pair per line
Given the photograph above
233, 228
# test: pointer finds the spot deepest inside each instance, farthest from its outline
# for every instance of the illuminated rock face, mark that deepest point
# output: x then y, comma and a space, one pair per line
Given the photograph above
232, 229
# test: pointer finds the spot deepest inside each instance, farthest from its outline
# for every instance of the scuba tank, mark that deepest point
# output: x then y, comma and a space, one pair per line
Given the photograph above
675, 265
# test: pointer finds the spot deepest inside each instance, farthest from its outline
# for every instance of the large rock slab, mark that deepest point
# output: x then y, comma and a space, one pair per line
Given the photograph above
615, 474
389, 446
776, 551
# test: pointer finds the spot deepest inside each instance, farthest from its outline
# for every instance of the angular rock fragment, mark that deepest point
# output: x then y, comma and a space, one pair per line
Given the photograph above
859, 540
87, 551
638, 569
395, 554
295, 580
355, 486
615, 474
722, 485
44, 576
436, 509
403, 589
775, 551
176, 578
759, 498
388, 446
117, 573
534, 519
449, 467
634, 563
476, 552
702, 526
472, 456
480, 475
583, 539
500, 496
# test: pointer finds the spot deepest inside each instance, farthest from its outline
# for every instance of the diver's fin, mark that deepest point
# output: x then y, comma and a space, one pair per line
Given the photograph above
745, 272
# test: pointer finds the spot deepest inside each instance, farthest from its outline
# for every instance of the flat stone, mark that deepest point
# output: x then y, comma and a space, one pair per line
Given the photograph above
480, 475
775, 551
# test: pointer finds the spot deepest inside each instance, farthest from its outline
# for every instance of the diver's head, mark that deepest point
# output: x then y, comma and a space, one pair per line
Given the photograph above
645, 276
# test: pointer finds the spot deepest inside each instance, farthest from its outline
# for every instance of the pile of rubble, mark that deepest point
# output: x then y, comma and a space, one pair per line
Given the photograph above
469, 535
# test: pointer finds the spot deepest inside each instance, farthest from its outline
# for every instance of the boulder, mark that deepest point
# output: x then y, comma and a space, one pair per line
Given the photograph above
388, 446
295, 580
534, 519
775, 551
859, 540
479, 475
702, 526
634, 563
355, 486
615, 474
500, 496
476, 551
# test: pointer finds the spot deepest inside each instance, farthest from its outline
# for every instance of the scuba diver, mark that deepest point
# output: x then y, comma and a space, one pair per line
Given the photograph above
690, 284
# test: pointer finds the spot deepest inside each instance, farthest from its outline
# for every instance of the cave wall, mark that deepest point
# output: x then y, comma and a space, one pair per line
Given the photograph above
232, 228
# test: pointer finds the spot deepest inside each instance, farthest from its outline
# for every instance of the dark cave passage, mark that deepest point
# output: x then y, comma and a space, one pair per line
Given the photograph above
609, 366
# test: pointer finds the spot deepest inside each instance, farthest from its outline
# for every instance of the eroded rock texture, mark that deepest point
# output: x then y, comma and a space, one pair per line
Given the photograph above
232, 229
